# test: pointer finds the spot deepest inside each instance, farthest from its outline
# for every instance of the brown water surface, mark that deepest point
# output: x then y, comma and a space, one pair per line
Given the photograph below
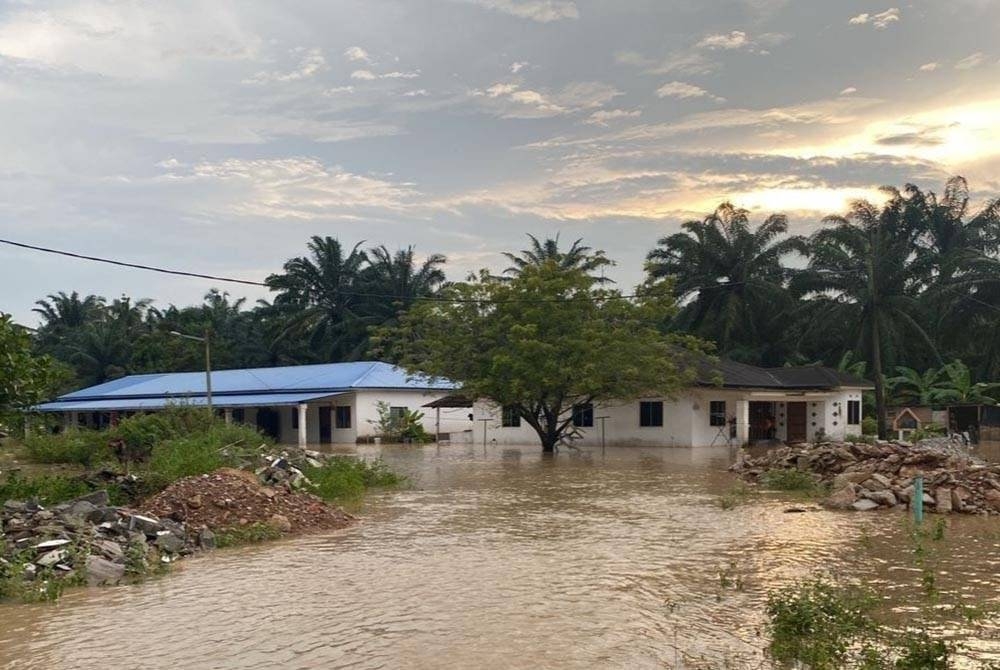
500, 558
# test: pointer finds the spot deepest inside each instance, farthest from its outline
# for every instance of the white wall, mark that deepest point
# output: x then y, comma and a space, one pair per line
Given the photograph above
366, 412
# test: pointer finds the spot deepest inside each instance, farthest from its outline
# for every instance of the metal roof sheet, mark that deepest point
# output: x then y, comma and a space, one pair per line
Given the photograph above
740, 375
298, 378
130, 404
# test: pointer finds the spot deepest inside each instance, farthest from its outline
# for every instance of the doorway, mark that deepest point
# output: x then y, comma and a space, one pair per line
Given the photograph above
325, 425
763, 425
797, 412
269, 422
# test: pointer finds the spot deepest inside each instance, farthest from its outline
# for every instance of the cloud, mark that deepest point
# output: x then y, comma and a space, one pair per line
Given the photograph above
337, 90
972, 61
850, 90
603, 117
542, 11
736, 39
417, 93
929, 67
368, 75
511, 100
518, 66
683, 91
311, 62
293, 188
879, 21
357, 54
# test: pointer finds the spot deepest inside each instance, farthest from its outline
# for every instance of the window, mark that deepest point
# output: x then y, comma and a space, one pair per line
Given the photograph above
342, 416
295, 418
717, 413
397, 413
651, 413
239, 414
583, 415
510, 418
854, 412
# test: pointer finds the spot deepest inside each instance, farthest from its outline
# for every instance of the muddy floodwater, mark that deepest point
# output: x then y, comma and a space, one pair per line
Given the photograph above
500, 558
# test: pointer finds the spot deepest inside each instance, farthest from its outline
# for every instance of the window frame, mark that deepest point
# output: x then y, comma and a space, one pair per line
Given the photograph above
509, 417
583, 415
854, 412
650, 420
337, 417
715, 419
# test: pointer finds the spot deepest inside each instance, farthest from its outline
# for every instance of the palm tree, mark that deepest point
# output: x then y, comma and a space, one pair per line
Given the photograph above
728, 276
396, 281
861, 272
577, 257
61, 312
321, 296
909, 386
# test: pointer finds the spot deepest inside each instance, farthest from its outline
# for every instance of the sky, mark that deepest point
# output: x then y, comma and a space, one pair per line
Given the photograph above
218, 137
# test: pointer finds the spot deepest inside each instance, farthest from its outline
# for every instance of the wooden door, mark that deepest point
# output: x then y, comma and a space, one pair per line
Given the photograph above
325, 424
797, 413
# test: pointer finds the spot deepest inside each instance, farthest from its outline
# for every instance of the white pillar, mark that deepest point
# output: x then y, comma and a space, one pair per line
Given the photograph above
74, 420
302, 424
228, 414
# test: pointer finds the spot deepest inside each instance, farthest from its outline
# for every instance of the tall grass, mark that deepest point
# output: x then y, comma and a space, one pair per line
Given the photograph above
345, 479
80, 447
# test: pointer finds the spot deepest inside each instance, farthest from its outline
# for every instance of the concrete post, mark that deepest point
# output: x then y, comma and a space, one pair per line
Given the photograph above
74, 420
302, 424
228, 414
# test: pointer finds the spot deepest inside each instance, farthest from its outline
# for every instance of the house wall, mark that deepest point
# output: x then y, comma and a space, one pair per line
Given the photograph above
366, 411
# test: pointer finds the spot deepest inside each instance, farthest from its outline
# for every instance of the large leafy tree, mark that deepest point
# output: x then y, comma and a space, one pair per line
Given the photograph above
25, 378
544, 341
861, 272
577, 257
321, 298
729, 277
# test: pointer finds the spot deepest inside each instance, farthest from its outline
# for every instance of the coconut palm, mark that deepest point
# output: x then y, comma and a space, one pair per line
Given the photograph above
321, 297
728, 275
861, 272
577, 257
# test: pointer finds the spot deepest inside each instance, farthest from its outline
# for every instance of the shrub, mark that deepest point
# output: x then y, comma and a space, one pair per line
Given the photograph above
789, 480
346, 478
47, 490
82, 447
869, 426
253, 533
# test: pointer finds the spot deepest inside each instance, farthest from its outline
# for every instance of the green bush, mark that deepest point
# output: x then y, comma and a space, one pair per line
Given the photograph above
47, 490
82, 447
789, 480
237, 536
869, 426
344, 478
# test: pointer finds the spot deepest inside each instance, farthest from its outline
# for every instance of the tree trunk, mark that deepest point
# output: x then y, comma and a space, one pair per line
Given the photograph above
880, 410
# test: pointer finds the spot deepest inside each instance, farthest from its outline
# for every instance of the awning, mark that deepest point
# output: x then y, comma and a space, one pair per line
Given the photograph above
450, 401
132, 404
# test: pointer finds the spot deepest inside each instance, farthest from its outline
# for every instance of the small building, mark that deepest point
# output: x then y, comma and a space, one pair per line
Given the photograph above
305, 404
730, 403
978, 423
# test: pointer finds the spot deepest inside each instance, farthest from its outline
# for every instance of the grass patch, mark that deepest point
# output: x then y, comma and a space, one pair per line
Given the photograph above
344, 478
47, 489
790, 480
239, 536
735, 496
80, 447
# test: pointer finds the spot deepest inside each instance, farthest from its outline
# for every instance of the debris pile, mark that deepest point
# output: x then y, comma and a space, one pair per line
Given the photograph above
90, 540
863, 476
230, 498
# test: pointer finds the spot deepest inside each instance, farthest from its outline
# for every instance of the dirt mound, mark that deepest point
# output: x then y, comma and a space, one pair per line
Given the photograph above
231, 498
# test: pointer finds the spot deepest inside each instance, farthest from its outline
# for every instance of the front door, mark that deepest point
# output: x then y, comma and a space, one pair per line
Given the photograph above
796, 422
325, 434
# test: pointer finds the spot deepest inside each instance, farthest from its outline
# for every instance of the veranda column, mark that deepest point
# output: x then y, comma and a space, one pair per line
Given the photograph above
302, 424
228, 415
74, 420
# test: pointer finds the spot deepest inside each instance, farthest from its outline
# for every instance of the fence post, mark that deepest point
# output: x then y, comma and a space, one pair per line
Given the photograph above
918, 499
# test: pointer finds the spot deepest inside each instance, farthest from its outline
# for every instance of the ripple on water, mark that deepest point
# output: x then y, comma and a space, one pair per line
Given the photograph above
503, 559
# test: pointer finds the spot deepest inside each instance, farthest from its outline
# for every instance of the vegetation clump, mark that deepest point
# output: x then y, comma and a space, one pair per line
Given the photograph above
789, 479
345, 479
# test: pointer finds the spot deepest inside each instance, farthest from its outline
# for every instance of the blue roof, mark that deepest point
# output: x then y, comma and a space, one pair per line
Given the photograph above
136, 404
274, 384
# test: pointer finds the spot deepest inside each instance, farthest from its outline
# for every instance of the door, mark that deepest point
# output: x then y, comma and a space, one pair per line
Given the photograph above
796, 422
325, 433
269, 422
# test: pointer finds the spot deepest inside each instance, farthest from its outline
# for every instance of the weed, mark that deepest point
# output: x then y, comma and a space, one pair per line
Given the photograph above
790, 480
344, 478
82, 447
737, 495
253, 533
47, 490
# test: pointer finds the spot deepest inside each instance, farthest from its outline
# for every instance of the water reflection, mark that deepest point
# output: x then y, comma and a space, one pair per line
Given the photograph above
505, 559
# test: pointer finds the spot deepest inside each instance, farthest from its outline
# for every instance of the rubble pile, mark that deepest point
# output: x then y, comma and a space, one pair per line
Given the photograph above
91, 540
228, 498
863, 476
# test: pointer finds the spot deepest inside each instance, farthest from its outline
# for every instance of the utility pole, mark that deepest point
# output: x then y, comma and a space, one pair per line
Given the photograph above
207, 339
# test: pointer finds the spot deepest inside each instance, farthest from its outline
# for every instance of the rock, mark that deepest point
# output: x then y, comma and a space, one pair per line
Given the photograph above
884, 498
943, 497
111, 550
82, 509
876, 483
103, 571
144, 524
959, 497
97, 499
206, 539
843, 498
195, 501
280, 523
51, 544
168, 542
845, 478
865, 505
53, 557
992, 497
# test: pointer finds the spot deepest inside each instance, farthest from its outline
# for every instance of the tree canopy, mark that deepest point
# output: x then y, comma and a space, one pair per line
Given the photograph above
25, 379
544, 342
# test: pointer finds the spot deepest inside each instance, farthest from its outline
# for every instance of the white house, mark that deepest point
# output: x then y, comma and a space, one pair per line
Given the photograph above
307, 404
731, 403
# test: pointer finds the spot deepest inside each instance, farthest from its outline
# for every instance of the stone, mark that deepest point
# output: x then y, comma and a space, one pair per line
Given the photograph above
97, 498
843, 498
959, 498
206, 539
905, 494
103, 515
103, 571
865, 505
144, 524
82, 509
884, 498
873, 484
845, 478
195, 502
168, 542
51, 544
111, 550
943, 497
280, 523
53, 557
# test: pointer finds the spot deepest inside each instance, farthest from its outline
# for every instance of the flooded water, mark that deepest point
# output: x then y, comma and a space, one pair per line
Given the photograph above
500, 558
